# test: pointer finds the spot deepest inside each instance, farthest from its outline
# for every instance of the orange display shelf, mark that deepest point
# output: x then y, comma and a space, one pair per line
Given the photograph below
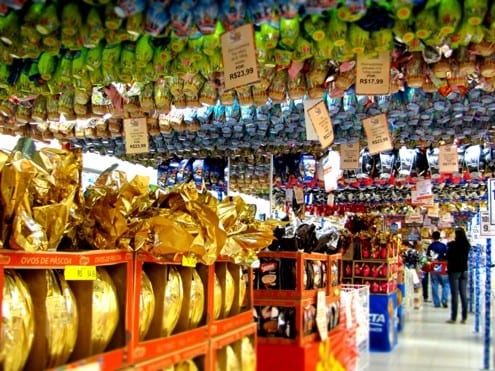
119, 266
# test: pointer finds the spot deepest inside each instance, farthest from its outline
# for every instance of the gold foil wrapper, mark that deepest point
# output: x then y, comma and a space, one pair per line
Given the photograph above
232, 361
105, 311
146, 306
248, 355
229, 292
188, 365
61, 321
17, 331
174, 297
217, 298
242, 287
196, 301
245, 235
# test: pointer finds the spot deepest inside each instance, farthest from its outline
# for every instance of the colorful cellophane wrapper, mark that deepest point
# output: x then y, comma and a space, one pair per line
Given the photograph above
105, 311
146, 305
196, 301
41, 198
217, 298
17, 332
248, 355
188, 365
174, 297
61, 319
232, 359
229, 292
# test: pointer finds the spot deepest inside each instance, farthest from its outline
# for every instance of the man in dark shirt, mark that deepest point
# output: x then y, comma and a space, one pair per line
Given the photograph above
437, 251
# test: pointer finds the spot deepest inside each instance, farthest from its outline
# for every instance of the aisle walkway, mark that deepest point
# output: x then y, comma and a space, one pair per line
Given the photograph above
427, 343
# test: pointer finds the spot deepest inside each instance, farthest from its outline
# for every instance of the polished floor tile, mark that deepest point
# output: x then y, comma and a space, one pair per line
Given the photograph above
427, 343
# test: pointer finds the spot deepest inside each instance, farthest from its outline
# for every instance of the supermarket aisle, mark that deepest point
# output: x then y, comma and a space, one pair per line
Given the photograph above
429, 344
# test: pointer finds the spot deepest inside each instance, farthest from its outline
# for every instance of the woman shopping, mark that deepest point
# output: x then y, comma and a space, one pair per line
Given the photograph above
457, 266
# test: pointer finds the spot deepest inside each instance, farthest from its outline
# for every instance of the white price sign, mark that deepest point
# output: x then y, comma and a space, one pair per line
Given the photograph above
491, 200
486, 228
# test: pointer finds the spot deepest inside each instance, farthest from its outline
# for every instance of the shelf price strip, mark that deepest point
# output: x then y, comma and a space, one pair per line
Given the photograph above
80, 272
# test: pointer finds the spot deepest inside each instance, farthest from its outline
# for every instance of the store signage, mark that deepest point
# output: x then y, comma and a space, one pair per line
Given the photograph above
189, 261
414, 218
136, 135
422, 194
310, 130
80, 272
321, 315
349, 156
491, 200
331, 170
289, 194
239, 57
373, 74
320, 119
377, 134
486, 228
433, 211
448, 162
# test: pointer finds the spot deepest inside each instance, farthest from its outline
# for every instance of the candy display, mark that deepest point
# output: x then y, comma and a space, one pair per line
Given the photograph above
248, 355
196, 301
217, 298
174, 297
188, 365
17, 322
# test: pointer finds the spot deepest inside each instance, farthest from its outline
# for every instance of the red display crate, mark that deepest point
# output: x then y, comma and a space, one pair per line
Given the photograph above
119, 266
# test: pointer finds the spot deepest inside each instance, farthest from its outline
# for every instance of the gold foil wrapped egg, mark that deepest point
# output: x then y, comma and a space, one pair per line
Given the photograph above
146, 305
242, 288
229, 292
232, 363
105, 311
197, 300
248, 355
188, 365
17, 332
174, 296
217, 298
61, 319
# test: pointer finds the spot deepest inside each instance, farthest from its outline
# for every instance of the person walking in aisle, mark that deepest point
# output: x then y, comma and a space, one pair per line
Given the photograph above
437, 251
457, 266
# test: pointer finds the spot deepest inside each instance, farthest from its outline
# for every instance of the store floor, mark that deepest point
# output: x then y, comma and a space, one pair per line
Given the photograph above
427, 343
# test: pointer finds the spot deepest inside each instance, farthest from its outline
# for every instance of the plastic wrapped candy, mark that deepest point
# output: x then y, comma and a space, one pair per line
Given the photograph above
174, 296
229, 292
188, 365
17, 331
146, 306
232, 360
105, 311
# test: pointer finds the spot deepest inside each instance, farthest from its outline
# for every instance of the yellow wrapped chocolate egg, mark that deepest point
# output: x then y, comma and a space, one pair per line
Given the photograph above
146, 305
61, 319
174, 296
232, 363
105, 311
248, 355
242, 287
217, 298
197, 300
17, 332
188, 365
229, 292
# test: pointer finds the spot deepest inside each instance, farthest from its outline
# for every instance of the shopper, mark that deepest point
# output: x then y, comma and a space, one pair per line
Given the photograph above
425, 275
437, 251
457, 266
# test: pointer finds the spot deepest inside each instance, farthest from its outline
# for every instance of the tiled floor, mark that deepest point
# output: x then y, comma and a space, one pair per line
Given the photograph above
427, 343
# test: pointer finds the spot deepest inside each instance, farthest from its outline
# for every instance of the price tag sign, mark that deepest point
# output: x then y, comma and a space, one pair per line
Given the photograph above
491, 199
448, 162
433, 211
377, 134
289, 194
373, 74
299, 193
320, 118
321, 315
486, 228
189, 261
239, 57
331, 170
80, 272
136, 135
310, 130
349, 156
